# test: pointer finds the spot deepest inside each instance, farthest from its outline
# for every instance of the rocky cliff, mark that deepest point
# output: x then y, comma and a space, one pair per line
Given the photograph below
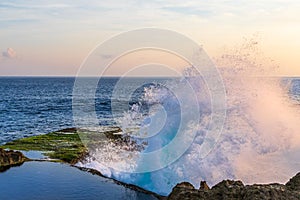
234, 190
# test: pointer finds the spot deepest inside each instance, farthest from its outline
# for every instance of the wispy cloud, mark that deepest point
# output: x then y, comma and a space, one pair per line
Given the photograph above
12, 5
189, 10
112, 14
32, 24
9, 53
106, 56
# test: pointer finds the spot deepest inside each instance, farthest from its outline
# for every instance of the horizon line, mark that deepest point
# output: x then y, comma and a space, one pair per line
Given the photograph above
116, 76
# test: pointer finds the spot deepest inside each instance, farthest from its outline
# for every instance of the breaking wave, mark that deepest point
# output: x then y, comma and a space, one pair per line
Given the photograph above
259, 143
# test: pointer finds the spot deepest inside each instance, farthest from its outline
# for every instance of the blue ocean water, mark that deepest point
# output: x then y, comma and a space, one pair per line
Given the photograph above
39, 105
294, 89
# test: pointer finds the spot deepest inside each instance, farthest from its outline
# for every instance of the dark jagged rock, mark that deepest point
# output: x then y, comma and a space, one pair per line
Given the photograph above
228, 189
203, 186
294, 183
10, 158
183, 191
68, 130
235, 190
269, 191
185, 185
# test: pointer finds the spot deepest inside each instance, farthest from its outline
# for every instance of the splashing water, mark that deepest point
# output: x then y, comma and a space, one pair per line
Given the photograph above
259, 143
261, 138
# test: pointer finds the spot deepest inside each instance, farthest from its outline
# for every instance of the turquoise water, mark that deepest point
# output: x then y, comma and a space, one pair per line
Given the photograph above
46, 180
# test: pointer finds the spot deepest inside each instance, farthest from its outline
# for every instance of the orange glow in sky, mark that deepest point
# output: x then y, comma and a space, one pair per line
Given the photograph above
54, 37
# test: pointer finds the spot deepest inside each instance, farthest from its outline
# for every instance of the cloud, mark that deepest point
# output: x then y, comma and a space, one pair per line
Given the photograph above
106, 56
10, 5
189, 10
9, 53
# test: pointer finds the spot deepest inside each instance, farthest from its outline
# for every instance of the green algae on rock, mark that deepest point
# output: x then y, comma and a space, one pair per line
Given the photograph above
64, 145
67, 145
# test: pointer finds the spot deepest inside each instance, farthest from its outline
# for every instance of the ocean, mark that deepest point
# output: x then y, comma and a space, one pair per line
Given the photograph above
38, 105
261, 126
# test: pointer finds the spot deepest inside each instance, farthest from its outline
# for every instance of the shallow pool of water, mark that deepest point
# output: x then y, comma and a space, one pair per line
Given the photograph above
46, 180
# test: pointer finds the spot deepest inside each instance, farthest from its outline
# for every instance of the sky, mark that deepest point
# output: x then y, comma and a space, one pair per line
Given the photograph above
54, 37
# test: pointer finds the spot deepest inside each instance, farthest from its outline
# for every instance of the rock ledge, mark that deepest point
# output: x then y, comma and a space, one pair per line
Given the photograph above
10, 158
235, 190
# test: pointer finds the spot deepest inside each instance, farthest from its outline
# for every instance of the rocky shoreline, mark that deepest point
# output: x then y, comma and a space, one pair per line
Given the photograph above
229, 190
62, 146
10, 159
66, 146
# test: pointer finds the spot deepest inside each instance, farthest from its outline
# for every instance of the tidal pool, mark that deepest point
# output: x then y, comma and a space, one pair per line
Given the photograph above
48, 180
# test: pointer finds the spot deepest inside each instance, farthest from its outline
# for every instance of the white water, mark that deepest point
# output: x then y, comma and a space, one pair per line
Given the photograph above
259, 143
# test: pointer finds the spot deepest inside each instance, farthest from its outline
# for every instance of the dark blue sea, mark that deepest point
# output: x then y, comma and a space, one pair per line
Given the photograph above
38, 105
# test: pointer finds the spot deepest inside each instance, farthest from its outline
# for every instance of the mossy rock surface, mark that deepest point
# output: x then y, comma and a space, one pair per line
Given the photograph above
66, 145
62, 145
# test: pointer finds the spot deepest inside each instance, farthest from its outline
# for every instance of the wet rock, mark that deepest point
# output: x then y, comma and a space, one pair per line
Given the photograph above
10, 158
270, 191
183, 191
185, 185
69, 130
227, 189
235, 190
203, 186
294, 183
